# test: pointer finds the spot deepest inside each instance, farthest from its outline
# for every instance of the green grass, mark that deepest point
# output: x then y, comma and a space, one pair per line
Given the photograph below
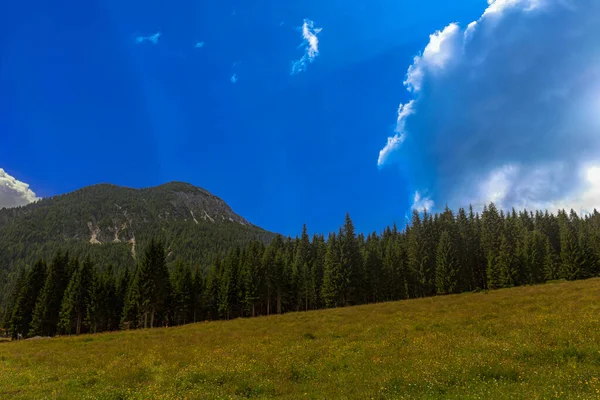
524, 343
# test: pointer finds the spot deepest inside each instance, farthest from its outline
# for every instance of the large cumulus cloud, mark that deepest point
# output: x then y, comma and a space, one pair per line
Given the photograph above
14, 193
507, 109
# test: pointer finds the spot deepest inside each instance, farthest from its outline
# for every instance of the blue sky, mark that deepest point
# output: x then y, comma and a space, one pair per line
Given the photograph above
84, 101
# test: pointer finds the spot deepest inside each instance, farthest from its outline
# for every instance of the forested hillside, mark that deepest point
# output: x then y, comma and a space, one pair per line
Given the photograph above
113, 225
435, 254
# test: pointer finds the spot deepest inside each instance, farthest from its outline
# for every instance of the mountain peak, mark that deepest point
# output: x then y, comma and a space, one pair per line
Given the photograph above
107, 213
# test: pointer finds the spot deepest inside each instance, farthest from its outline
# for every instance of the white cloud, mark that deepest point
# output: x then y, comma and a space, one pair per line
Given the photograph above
151, 38
14, 193
234, 78
310, 44
394, 142
506, 109
199, 45
440, 50
422, 204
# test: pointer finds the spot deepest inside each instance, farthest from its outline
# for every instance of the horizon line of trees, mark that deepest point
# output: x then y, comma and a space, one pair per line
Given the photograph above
436, 254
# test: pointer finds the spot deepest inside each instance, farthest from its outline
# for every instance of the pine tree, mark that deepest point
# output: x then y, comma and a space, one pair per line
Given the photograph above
182, 285
319, 252
301, 270
47, 308
351, 265
373, 265
447, 268
491, 227
150, 289
571, 259
589, 262
551, 262
537, 256
95, 304
418, 256
227, 277
19, 283
198, 291
331, 291
507, 263
76, 299
112, 304
23, 309
253, 277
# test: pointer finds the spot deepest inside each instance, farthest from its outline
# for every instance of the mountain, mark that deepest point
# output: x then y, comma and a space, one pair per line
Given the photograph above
112, 222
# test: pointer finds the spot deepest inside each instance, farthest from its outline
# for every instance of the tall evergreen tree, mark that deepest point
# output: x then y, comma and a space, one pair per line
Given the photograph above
447, 268
47, 308
76, 299
253, 277
491, 233
332, 288
182, 285
507, 263
372, 267
571, 257
537, 256
149, 292
24, 306
351, 264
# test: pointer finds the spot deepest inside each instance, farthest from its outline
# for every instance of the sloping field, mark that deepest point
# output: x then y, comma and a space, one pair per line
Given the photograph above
524, 343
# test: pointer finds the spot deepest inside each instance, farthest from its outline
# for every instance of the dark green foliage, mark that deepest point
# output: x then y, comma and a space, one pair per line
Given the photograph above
570, 254
48, 306
150, 289
195, 225
435, 254
507, 263
551, 263
332, 288
24, 305
447, 272
76, 301
183, 301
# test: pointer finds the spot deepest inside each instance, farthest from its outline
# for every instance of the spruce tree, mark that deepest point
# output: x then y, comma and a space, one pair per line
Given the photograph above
182, 285
351, 264
491, 232
253, 277
301, 270
373, 266
537, 256
589, 262
447, 267
76, 299
150, 289
570, 254
507, 263
95, 312
551, 262
48, 305
331, 291
24, 306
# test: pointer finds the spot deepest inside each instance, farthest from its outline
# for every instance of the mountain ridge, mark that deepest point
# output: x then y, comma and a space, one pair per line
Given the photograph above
109, 214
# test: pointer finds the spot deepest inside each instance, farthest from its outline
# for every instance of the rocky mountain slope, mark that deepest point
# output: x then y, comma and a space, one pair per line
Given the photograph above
192, 222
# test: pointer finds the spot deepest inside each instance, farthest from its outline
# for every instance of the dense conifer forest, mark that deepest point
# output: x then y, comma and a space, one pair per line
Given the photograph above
435, 254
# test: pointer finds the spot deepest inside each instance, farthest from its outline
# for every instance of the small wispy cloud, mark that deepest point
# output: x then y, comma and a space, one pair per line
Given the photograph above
310, 44
422, 204
234, 78
151, 38
199, 45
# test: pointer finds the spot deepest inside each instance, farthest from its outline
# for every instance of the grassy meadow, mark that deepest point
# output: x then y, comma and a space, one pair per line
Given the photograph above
535, 342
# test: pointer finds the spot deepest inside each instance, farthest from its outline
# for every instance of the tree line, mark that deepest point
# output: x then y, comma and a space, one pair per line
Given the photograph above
435, 254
